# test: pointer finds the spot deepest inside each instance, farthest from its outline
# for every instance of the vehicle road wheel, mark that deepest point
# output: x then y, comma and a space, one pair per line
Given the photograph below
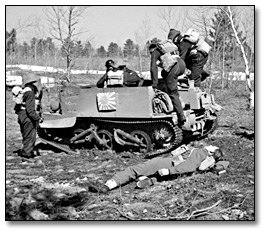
145, 140
106, 138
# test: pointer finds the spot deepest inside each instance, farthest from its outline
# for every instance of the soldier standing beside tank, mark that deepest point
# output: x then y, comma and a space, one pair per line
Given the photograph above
170, 78
29, 113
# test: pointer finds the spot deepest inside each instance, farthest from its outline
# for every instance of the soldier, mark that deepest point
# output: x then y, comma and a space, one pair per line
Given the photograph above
29, 113
110, 66
195, 55
130, 77
170, 77
180, 161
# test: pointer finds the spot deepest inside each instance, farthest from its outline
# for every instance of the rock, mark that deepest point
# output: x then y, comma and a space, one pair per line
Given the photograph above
38, 215
11, 157
225, 217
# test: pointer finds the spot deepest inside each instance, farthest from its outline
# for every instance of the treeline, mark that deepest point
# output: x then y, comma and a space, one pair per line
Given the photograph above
40, 48
225, 55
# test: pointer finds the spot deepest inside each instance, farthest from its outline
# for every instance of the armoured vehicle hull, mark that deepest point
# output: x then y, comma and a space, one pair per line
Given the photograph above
124, 118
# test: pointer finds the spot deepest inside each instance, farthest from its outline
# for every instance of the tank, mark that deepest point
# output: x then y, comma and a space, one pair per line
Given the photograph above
123, 118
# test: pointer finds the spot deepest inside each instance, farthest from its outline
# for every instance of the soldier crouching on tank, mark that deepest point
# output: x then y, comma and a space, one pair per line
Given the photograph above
182, 160
29, 113
194, 57
170, 78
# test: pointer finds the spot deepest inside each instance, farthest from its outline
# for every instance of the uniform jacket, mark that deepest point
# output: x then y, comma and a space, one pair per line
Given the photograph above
29, 100
155, 58
184, 48
192, 162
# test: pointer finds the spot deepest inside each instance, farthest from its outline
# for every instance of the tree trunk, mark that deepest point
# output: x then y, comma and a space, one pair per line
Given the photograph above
233, 64
68, 66
223, 64
247, 69
140, 61
35, 52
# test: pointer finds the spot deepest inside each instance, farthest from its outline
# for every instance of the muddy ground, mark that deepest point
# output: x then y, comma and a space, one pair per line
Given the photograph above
54, 186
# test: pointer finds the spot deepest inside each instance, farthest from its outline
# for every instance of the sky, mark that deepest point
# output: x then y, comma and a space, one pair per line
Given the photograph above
103, 24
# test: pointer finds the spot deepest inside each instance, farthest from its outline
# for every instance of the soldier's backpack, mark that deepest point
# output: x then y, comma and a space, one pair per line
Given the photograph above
192, 36
17, 94
170, 54
198, 42
203, 46
167, 46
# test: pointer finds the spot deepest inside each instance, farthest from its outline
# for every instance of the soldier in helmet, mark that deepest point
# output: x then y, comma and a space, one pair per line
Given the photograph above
130, 77
28, 113
110, 65
195, 57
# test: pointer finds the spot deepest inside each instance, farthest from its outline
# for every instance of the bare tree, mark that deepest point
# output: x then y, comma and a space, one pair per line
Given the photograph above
247, 22
173, 17
141, 37
20, 26
229, 14
63, 26
200, 19
25, 24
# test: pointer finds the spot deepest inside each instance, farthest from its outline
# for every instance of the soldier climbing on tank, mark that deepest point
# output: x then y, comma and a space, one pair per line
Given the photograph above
194, 51
172, 67
130, 77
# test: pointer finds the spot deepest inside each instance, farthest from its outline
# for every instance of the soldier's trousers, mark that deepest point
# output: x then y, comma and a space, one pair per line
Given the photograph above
195, 64
147, 168
170, 79
28, 131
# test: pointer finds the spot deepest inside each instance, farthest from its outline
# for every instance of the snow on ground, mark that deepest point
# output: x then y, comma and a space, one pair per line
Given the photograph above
13, 80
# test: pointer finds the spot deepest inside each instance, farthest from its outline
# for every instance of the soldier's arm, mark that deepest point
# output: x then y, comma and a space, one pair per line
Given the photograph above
153, 68
29, 98
100, 83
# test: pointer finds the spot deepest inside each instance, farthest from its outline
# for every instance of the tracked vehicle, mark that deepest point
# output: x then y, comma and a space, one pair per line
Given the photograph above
84, 117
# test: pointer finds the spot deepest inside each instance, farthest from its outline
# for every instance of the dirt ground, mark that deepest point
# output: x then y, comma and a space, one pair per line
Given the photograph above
55, 185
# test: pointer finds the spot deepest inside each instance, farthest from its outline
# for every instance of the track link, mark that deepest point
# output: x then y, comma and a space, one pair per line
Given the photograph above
177, 133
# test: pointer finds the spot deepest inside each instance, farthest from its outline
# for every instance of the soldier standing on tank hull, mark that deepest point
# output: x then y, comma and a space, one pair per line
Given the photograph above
170, 78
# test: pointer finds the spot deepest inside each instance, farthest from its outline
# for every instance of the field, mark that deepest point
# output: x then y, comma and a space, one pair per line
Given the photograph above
54, 186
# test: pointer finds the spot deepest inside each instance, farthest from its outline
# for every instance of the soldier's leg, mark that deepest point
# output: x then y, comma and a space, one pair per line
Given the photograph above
29, 138
196, 67
171, 81
147, 168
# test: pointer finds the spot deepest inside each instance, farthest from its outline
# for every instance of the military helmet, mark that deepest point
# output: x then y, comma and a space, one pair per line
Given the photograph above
110, 63
29, 78
173, 33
